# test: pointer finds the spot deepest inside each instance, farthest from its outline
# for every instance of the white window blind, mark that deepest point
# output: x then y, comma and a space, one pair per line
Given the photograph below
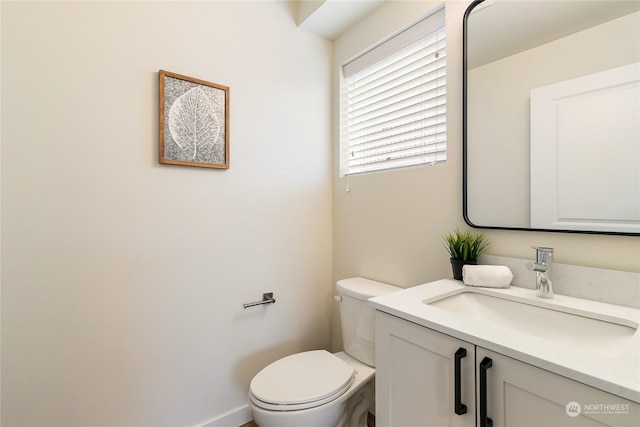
395, 112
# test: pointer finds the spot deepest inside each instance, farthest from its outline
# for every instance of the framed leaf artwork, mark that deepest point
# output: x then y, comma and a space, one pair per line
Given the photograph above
194, 122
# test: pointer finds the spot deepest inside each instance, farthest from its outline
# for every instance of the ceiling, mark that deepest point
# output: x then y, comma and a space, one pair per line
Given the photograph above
330, 18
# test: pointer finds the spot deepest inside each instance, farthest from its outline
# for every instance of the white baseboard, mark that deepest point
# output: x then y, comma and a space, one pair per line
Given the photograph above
234, 418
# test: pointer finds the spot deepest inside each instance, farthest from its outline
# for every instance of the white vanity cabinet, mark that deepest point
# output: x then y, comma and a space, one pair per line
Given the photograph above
519, 394
416, 386
416, 376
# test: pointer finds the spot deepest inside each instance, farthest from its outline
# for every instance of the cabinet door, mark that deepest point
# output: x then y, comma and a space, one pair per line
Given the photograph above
416, 376
519, 394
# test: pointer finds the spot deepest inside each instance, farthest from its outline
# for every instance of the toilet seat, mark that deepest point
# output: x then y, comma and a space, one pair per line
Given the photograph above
301, 381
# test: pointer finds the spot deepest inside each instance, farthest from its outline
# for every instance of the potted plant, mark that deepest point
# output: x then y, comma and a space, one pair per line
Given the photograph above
464, 247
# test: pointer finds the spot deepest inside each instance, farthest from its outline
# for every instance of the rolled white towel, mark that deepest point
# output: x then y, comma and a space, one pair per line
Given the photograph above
488, 276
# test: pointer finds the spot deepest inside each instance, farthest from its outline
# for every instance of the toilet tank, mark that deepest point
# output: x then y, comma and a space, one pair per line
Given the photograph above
357, 316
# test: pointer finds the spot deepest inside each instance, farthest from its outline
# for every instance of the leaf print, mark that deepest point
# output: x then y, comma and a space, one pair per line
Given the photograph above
192, 121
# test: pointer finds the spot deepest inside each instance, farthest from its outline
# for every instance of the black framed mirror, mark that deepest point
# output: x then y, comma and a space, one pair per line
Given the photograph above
551, 116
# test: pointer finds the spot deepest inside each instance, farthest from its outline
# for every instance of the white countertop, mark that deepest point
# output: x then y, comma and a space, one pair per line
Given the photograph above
619, 374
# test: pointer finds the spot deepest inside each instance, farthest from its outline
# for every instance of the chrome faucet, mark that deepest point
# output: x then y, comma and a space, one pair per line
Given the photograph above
543, 266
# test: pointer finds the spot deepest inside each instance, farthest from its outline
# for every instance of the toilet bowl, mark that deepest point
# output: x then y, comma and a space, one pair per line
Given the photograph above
313, 399
320, 389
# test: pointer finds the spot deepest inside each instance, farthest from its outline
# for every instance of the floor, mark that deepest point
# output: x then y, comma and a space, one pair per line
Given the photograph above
371, 422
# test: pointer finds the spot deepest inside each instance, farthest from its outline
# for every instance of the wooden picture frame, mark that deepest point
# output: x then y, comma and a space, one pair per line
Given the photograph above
194, 122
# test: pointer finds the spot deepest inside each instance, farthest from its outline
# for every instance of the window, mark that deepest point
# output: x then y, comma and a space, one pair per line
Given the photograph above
394, 108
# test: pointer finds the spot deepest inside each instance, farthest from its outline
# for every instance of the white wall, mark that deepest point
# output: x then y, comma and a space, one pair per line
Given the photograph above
389, 227
123, 280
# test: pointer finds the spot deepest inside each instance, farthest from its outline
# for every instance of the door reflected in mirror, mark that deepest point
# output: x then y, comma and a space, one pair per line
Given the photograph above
552, 115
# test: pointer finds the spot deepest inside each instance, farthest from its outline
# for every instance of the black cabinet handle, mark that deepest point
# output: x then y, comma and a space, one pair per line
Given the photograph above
460, 408
484, 366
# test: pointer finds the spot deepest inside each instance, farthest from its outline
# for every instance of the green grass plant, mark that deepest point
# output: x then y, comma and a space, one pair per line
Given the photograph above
465, 245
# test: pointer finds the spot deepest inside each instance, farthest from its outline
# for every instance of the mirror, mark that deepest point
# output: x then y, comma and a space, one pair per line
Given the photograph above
551, 116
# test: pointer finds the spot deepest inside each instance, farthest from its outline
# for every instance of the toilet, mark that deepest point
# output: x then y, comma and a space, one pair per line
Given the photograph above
320, 389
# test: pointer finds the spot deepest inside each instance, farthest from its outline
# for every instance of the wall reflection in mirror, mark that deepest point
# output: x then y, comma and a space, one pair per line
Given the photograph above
552, 115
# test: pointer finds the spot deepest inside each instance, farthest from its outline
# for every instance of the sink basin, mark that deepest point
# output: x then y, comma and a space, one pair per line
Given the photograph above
588, 331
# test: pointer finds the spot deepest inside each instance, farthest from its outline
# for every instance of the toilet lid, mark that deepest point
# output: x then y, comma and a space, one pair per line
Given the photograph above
302, 378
